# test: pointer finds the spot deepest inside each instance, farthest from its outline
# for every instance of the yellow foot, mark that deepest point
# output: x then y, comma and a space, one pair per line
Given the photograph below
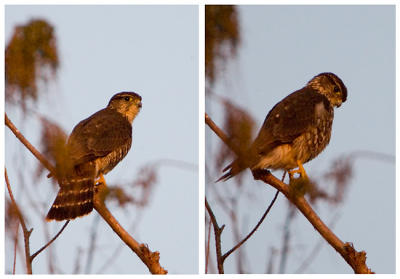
301, 185
300, 171
101, 180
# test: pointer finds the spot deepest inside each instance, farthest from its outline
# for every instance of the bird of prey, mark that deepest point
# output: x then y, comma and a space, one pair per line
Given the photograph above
296, 129
96, 145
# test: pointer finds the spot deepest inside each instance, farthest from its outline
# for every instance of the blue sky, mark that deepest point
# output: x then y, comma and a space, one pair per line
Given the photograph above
282, 48
152, 50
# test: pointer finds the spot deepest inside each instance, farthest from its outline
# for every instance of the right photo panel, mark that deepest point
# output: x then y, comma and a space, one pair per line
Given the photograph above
300, 139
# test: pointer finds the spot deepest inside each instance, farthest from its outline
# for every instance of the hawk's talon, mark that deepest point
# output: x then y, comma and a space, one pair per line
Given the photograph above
300, 171
101, 180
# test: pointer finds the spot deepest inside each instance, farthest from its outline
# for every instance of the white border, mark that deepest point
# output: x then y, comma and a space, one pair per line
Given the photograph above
2, 146
397, 146
201, 234
201, 99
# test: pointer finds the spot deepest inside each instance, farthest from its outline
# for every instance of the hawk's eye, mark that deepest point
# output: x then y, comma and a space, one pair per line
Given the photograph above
127, 98
336, 89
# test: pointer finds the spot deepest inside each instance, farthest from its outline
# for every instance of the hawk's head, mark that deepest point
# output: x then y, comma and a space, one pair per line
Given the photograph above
331, 86
126, 103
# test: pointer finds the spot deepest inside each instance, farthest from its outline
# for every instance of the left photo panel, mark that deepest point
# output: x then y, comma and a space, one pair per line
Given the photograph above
101, 139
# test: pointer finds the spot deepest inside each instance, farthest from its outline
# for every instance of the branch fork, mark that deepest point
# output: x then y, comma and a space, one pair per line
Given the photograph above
357, 260
150, 259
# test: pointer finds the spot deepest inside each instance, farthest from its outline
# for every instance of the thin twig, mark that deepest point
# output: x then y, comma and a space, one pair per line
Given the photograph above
51, 259
15, 248
25, 231
92, 246
217, 232
208, 245
50, 242
236, 235
254, 229
221, 258
355, 259
286, 238
270, 265
78, 261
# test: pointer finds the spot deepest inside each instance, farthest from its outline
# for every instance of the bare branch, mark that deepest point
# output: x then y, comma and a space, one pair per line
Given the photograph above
254, 230
355, 259
25, 231
217, 232
15, 248
28, 145
151, 259
50, 242
208, 245
221, 135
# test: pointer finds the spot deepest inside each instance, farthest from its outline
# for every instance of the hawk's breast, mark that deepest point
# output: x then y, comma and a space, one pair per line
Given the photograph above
108, 162
314, 140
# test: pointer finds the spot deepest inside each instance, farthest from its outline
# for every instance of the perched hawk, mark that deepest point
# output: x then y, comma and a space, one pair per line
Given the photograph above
95, 146
296, 129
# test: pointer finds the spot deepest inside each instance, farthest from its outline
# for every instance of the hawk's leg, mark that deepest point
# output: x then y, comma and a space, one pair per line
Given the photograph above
300, 171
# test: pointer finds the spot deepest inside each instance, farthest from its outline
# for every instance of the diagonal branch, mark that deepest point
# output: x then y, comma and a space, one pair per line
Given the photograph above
224, 256
354, 258
151, 259
50, 242
222, 135
218, 231
28, 145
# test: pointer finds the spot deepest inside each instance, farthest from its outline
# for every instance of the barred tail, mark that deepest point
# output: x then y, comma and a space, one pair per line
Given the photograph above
74, 199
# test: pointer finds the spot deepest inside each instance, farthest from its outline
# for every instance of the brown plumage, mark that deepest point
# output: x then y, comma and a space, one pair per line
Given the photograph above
296, 129
95, 146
